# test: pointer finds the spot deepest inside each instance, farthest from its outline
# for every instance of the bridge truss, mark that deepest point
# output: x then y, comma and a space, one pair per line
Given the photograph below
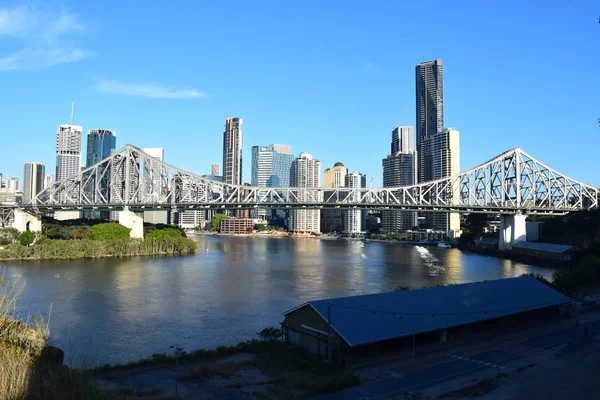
510, 183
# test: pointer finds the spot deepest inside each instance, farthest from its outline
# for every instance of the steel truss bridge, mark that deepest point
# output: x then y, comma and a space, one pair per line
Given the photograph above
510, 183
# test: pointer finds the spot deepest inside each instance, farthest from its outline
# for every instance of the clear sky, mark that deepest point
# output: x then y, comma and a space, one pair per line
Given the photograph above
332, 78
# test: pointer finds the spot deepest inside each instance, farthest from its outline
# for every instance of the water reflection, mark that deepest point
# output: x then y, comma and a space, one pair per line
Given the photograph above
116, 310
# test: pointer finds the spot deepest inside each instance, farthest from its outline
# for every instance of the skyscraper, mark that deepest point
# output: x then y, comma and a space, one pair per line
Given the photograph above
271, 166
33, 180
48, 180
400, 169
232, 151
332, 220
429, 85
403, 139
442, 159
353, 217
216, 170
100, 144
305, 173
68, 149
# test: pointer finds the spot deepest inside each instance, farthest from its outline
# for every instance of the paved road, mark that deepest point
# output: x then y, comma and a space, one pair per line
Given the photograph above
461, 365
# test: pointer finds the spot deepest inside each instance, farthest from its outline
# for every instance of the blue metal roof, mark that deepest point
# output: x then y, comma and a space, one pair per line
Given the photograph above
549, 247
431, 309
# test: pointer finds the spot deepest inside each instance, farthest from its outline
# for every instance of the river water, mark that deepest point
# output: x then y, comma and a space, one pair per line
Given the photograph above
118, 310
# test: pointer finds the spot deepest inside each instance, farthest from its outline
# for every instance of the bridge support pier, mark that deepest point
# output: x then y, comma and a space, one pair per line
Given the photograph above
24, 221
133, 221
512, 230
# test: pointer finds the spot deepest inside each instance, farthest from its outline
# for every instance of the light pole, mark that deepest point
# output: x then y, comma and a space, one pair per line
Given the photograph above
178, 351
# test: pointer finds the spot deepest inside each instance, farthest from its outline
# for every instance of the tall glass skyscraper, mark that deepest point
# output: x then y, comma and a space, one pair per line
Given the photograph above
33, 180
271, 166
100, 144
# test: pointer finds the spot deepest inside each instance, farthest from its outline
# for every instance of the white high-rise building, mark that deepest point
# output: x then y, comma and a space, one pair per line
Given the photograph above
33, 180
12, 184
442, 160
403, 140
216, 170
68, 149
48, 180
305, 173
353, 217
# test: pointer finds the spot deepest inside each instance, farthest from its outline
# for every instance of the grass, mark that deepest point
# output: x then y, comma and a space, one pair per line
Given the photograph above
205, 372
24, 372
478, 389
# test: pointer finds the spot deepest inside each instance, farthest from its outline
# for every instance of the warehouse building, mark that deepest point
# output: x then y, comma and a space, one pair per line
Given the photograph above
548, 254
377, 323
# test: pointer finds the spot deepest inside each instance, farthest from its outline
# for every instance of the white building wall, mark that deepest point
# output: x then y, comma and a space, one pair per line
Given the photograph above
305, 173
353, 217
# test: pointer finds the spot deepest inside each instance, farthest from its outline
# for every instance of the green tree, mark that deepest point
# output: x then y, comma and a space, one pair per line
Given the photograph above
260, 227
8, 236
162, 233
109, 231
215, 225
27, 238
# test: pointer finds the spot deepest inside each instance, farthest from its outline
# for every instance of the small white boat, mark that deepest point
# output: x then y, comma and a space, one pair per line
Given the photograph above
444, 245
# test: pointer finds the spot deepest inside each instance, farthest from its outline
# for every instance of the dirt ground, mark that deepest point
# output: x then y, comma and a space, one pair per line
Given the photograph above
242, 382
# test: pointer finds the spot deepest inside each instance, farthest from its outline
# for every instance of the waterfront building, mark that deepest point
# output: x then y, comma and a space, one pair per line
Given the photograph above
101, 143
353, 217
442, 160
429, 86
33, 180
305, 173
400, 169
236, 225
271, 166
232, 151
332, 220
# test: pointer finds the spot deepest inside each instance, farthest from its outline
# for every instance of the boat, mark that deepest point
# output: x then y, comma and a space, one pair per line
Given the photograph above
444, 245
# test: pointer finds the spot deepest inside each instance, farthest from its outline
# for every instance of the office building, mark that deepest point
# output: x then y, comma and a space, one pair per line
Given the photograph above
68, 149
403, 140
12, 184
305, 173
101, 143
232, 151
33, 180
332, 220
353, 220
1, 181
215, 170
429, 85
271, 166
48, 180
400, 169
442, 160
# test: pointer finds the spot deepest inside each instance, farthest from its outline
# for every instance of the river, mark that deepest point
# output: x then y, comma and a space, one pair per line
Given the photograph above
118, 310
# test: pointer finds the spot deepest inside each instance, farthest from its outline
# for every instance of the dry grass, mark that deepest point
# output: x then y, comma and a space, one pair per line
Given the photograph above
24, 373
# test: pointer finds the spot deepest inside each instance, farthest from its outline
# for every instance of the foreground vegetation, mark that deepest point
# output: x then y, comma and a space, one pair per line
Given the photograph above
74, 239
29, 368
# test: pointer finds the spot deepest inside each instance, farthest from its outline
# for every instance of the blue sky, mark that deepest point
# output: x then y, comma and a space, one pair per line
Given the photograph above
332, 78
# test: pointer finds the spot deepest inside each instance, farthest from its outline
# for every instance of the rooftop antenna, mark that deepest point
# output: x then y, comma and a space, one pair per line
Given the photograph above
72, 114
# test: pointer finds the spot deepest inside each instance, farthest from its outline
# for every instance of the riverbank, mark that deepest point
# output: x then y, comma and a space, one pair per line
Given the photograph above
49, 249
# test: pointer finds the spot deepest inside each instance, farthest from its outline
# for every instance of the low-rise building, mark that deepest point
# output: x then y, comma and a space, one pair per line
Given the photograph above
371, 324
236, 225
551, 254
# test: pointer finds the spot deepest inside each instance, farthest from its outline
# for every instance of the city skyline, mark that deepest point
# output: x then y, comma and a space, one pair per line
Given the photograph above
345, 98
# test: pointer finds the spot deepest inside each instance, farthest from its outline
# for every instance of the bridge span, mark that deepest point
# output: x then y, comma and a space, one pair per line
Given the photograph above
512, 184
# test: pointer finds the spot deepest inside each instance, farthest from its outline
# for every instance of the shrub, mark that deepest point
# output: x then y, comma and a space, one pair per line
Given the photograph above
109, 231
8, 236
270, 333
27, 238
162, 233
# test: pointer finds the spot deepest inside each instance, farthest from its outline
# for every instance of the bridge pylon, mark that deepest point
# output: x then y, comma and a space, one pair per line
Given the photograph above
512, 230
25, 221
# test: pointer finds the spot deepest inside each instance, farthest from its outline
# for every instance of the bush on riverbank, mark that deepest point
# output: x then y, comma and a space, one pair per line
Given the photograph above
29, 369
48, 249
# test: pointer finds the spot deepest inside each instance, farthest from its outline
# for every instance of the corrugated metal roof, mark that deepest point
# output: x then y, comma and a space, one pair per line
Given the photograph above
431, 309
549, 247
